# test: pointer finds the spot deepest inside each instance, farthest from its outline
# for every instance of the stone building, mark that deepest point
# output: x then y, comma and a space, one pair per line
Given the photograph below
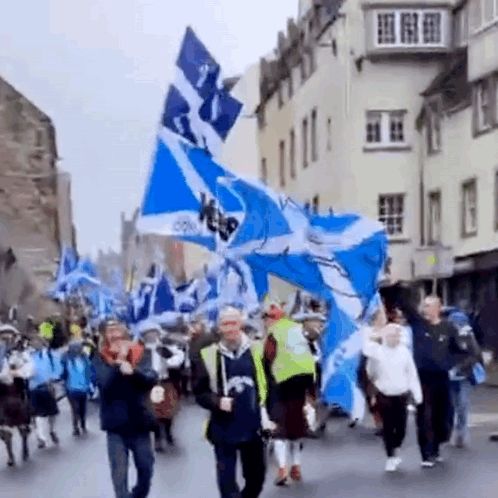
35, 198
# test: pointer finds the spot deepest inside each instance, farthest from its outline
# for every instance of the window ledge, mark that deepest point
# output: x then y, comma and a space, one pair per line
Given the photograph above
387, 148
398, 239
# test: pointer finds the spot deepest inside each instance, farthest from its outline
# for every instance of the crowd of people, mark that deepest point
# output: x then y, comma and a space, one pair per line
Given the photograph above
259, 381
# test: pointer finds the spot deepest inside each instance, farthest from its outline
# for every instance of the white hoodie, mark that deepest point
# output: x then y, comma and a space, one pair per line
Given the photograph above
392, 370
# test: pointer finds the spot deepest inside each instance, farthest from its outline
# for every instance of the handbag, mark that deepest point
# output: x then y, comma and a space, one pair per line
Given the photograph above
478, 375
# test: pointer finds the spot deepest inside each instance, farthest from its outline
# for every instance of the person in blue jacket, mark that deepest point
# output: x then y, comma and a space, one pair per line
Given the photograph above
77, 373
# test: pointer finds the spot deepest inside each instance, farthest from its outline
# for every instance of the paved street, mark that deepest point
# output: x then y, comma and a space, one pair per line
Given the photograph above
347, 464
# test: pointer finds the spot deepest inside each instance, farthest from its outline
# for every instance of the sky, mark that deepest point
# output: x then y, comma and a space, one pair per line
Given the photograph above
100, 69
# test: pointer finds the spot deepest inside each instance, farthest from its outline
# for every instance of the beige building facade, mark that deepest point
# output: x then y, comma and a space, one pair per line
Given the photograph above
459, 137
340, 116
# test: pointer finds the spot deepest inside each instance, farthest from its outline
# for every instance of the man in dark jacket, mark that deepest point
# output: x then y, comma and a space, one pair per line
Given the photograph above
436, 351
230, 382
125, 378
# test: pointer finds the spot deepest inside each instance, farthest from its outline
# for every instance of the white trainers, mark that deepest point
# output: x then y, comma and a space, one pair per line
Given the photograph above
391, 465
398, 461
427, 464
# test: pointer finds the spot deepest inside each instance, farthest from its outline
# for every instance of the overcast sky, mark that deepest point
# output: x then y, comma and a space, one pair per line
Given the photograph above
100, 68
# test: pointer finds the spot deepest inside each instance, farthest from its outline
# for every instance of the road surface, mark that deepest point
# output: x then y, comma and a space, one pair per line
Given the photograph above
347, 463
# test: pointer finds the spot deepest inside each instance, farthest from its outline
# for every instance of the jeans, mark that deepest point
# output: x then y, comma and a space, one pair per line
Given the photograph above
78, 403
460, 393
394, 415
140, 446
252, 456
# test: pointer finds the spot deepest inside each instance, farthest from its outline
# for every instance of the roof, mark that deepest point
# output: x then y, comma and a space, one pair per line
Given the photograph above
456, 68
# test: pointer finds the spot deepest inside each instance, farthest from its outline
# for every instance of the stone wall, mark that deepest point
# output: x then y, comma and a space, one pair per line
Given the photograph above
29, 185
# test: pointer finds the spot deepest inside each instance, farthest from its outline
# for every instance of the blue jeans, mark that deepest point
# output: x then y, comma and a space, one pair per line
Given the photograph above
460, 392
140, 446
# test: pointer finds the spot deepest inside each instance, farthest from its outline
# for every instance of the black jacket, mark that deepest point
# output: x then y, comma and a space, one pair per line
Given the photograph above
435, 347
124, 399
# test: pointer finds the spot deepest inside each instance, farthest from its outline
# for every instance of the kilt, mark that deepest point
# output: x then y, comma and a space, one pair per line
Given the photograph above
168, 407
288, 409
14, 407
43, 402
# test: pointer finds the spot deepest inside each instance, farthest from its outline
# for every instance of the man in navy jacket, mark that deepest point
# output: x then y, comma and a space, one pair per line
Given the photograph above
125, 378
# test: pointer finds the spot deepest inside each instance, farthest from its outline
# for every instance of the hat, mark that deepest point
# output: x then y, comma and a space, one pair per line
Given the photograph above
148, 326
9, 329
308, 315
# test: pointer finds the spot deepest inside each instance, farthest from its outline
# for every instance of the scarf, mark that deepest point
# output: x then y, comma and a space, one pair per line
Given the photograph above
135, 354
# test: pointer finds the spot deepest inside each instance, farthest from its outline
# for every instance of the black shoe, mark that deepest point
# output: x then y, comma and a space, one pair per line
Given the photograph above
41, 444
159, 448
54, 438
76, 432
84, 430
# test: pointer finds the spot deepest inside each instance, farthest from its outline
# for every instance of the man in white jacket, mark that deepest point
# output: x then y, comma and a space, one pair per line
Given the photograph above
392, 370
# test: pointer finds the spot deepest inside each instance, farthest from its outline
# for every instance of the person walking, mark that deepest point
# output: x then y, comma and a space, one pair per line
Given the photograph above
292, 366
229, 381
462, 376
125, 378
77, 374
391, 368
436, 351
47, 370
165, 396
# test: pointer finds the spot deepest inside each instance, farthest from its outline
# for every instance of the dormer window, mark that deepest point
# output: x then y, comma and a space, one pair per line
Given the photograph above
409, 28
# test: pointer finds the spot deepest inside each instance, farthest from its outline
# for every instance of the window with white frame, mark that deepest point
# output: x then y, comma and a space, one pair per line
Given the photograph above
386, 28
264, 170
304, 142
391, 211
292, 153
314, 135
385, 128
434, 217
483, 105
433, 128
469, 208
409, 28
281, 155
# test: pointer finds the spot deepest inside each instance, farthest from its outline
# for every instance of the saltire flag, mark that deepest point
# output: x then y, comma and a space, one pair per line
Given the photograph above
198, 107
338, 258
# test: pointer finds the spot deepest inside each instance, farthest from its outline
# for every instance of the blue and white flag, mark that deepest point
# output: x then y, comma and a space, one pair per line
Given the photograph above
338, 258
182, 198
198, 107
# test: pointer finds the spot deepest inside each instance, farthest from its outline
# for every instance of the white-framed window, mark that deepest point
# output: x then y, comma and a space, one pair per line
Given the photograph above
329, 133
410, 28
391, 212
433, 128
264, 170
483, 105
385, 128
292, 153
434, 217
304, 142
281, 162
482, 13
469, 208
314, 135
461, 26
